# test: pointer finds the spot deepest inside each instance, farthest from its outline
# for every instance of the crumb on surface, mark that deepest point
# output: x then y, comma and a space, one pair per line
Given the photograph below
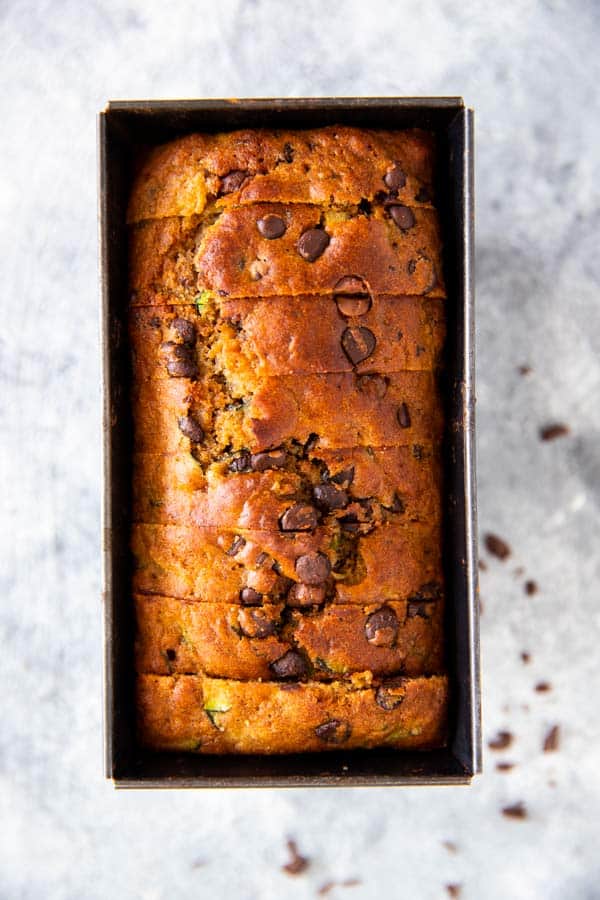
553, 431
531, 587
515, 811
552, 739
497, 546
297, 863
502, 740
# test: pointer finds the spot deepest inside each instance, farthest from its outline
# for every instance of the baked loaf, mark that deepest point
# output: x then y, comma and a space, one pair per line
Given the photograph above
287, 325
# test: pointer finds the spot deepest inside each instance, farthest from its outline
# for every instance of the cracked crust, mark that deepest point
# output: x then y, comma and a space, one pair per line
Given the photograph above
208, 715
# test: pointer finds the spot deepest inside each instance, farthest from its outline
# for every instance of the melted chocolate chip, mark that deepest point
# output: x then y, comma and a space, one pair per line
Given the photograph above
390, 695
241, 463
381, 627
350, 524
311, 442
269, 459
233, 181
191, 429
334, 731
403, 216
374, 386
344, 476
300, 517
394, 178
351, 284
250, 597
423, 269
313, 568
353, 304
417, 608
403, 416
288, 153
305, 595
330, 497
271, 227
171, 655
255, 624
358, 344
182, 368
291, 665
184, 329
312, 244
238, 543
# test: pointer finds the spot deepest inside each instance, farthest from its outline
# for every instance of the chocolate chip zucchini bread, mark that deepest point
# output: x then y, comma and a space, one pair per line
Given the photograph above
287, 326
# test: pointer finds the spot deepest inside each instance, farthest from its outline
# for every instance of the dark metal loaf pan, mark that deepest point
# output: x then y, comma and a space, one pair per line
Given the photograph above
124, 127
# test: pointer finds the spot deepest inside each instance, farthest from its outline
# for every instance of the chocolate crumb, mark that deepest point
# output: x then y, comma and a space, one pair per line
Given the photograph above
526, 657
515, 811
328, 886
524, 370
502, 740
298, 863
496, 546
553, 431
454, 890
482, 565
531, 588
505, 766
542, 687
450, 846
552, 739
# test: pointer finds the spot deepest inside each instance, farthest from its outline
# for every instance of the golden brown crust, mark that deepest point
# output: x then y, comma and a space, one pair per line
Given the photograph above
230, 641
178, 179
287, 323
207, 715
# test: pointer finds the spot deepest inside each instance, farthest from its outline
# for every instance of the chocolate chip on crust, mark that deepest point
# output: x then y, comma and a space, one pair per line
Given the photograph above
232, 181
381, 627
268, 459
403, 416
271, 227
291, 665
300, 595
312, 244
182, 368
329, 497
313, 568
350, 305
394, 178
255, 624
417, 608
391, 694
300, 517
250, 597
191, 429
238, 543
403, 216
358, 343
185, 329
344, 476
334, 731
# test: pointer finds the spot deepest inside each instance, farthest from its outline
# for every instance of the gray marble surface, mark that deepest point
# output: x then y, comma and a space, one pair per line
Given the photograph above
531, 70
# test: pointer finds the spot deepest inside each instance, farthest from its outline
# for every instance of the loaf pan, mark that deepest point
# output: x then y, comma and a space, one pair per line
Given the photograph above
123, 128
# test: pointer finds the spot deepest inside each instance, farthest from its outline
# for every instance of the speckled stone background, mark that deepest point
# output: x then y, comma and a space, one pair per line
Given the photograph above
531, 70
